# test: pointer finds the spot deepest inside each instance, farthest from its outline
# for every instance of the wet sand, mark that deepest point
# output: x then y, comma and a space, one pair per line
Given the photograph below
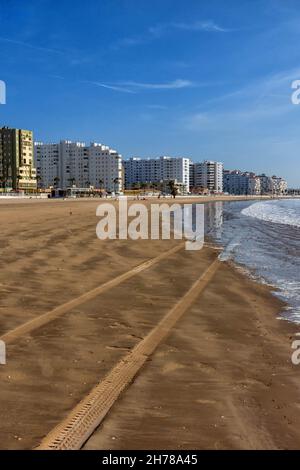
222, 379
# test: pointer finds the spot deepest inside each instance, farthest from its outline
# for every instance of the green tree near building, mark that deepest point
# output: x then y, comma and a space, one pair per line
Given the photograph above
173, 189
56, 181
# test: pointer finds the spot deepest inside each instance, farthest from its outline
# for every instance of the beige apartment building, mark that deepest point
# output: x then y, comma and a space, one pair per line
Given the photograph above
17, 170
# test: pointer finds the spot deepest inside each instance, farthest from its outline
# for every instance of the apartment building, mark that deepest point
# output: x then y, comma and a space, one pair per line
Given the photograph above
273, 185
241, 183
17, 170
208, 175
156, 170
254, 185
105, 168
248, 183
279, 185
192, 174
68, 164
265, 183
47, 163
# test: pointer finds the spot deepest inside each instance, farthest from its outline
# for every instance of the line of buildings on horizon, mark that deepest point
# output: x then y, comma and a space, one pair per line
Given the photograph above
26, 166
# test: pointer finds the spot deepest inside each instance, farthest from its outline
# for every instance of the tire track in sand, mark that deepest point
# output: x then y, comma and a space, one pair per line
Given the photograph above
41, 320
78, 426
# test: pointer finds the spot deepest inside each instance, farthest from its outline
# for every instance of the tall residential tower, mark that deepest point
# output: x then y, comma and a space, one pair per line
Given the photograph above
68, 164
208, 175
17, 171
157, 170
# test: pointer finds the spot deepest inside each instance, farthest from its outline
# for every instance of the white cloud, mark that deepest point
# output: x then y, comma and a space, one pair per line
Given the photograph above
135, 87
258, 102
205, 26
157, 31
111, 87
173, 85
30, 46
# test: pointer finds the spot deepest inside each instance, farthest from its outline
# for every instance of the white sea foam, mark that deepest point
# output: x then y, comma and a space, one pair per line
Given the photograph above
285, 212
263, 238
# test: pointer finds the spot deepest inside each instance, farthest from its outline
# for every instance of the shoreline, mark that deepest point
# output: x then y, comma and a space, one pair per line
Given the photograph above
179, 199
56, 254
254, 277
256, 234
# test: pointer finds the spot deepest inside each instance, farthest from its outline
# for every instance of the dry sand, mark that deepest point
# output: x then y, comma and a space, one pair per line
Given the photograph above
222, 379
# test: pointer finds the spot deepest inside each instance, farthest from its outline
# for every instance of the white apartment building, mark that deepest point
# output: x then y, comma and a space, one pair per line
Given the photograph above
208, 175
47, 163
73, 165
241, 183
105, 166
67, 164
156, 170
254, 185
280, 185
272, 185
247, 183
192, 174
266, 184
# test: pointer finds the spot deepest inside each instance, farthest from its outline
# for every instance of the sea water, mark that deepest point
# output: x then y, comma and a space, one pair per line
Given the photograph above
264, 238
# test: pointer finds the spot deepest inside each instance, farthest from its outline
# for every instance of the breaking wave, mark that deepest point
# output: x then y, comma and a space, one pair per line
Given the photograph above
285, 212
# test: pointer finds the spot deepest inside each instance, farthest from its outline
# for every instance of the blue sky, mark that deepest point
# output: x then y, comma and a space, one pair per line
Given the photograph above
197, 78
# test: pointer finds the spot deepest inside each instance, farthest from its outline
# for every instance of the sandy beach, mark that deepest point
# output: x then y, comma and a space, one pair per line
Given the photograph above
223, 378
